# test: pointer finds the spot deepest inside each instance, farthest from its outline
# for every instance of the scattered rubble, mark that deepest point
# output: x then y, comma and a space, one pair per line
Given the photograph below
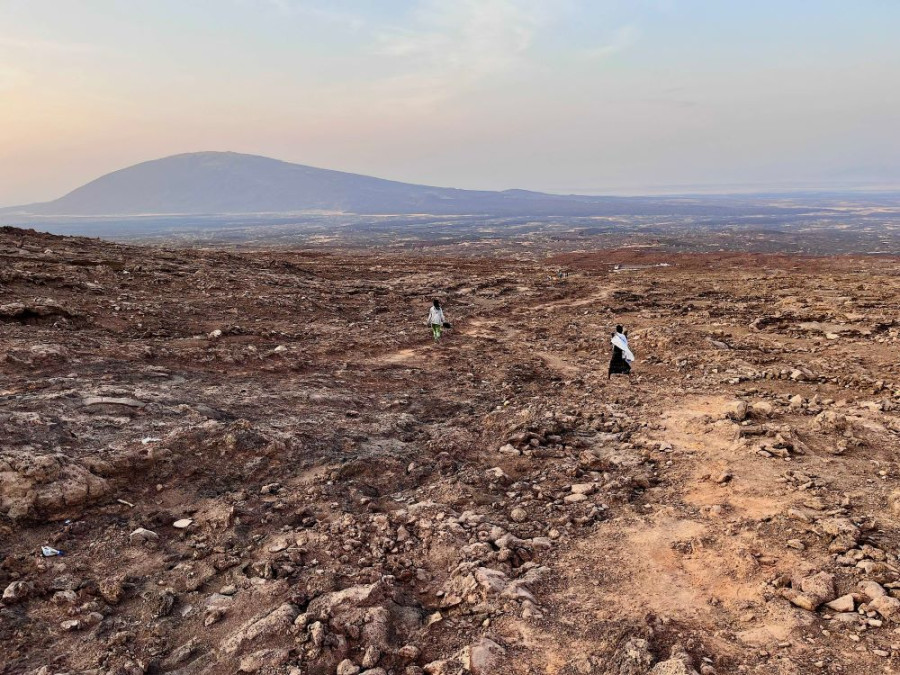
257, 462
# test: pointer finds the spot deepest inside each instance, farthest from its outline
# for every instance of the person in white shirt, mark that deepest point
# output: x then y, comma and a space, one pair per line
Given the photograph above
436, 319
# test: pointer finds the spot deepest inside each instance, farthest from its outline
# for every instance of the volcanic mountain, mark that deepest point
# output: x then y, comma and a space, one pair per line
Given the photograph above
233, 183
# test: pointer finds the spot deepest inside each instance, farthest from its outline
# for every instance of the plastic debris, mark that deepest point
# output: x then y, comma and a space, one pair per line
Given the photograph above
50, 552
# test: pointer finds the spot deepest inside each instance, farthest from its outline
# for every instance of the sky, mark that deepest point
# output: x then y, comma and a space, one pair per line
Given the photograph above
593, 96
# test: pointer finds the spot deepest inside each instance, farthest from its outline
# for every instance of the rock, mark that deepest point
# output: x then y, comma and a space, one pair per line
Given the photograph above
264, 658
574, 498
160, 604
317, 633
498, 474
92, 618
761, 409
830, 421
371, 656
182, 524
180, 655
877, 571
583, 488
144, 535
482, 658
47, 486
338, 602
215, 335
17, 591
374, 671
408, 652
70, 625
112, 589
810, 592
736, 411
871, 589
493, 581
213, 616
109, 400
347, 667
840, 527
518, 515
894, 502
845, 603
821, 585
274, 622
887, 607
509, 449
796, 402
64, 598
673, 667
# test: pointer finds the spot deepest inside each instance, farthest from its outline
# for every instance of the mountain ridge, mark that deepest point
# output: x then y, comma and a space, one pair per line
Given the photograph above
231, 183
211, 182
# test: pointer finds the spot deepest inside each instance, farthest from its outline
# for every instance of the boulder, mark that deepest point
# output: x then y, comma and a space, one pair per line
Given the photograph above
845, 603
47, 486
264, 658
830, 421
811, 591
871, 589
347, 667
887, 607
269, 624
736, 411
482, 658
143, 535
761, 409
17, 591
673, 667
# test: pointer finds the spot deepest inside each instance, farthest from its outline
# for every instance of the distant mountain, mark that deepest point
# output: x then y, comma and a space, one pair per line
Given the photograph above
233, 183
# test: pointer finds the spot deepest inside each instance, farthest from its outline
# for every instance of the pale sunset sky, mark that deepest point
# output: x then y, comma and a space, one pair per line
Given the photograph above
615, 96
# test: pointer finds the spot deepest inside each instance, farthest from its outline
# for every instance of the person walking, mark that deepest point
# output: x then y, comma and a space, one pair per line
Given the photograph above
436, 319
620, 363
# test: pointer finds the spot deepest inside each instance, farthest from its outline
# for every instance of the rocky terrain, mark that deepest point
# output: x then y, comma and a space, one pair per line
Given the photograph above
259, 462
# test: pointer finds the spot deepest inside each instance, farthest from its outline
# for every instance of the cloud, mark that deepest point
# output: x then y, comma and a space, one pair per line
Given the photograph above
452, 45
622, 38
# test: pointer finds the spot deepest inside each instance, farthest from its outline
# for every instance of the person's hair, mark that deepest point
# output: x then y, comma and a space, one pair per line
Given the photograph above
618, 329
437, 303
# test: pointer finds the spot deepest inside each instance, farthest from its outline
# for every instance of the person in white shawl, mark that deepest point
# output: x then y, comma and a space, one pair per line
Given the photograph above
622, 356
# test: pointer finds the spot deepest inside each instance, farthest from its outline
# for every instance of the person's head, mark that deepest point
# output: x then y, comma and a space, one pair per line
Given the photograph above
619, 329
437, 303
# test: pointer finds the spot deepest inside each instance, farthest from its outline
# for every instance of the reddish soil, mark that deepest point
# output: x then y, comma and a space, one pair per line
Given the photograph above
363, 499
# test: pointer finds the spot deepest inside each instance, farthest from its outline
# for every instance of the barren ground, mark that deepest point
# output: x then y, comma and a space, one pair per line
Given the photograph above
360, 499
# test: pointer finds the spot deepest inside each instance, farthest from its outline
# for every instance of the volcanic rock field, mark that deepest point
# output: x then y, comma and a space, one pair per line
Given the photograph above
259, 461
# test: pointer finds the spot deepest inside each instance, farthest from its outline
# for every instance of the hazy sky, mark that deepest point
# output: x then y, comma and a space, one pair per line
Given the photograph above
558, 95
